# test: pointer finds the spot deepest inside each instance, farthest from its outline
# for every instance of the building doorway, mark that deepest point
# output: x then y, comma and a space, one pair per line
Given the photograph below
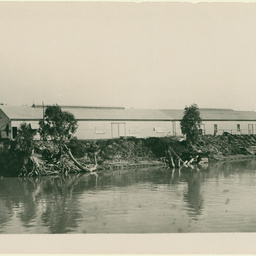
118, 130
251, 128
215, 129
14, 132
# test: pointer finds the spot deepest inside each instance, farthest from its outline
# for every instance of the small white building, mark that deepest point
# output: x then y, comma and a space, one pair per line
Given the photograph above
114, 122
12, 116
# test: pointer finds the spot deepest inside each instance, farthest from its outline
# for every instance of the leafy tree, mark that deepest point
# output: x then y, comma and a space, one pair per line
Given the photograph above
16, 155
190, 123
58, 126
24, 140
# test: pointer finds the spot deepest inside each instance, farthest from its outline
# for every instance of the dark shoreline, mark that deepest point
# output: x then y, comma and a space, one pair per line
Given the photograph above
125, 153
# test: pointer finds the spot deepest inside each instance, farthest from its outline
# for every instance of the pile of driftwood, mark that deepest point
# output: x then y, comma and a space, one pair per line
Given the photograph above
174, 160
64, 165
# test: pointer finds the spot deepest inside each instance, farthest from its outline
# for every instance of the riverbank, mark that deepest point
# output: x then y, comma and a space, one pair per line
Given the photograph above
123, 153
132, 151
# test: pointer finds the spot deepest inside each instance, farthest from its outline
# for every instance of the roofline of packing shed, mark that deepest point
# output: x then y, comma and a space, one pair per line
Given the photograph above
122, 120
223, 120
77, 119
5, 114
169, 120
27, 119
172, 120
227, 120
90, 107
118, 119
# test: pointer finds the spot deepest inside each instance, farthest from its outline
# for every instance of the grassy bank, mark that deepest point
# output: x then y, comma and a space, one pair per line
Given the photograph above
129, 150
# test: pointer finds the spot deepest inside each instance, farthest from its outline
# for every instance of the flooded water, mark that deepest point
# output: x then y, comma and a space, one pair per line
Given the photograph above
221, 198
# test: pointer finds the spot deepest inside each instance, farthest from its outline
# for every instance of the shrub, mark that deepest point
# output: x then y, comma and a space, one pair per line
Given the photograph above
78, 148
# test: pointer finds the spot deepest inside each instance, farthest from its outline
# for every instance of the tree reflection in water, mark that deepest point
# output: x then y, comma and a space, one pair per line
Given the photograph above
16, 194
5, 213
122, 198
193, 196
54, 199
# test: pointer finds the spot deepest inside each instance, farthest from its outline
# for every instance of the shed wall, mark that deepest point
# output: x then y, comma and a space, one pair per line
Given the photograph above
34, 125
227, 126
4, 120
230, 126
140, 129
112, 129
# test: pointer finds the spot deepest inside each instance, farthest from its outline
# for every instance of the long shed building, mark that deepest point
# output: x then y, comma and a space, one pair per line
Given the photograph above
114, 122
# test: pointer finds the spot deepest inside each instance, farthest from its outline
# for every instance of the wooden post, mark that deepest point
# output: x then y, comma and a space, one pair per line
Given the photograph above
172, 162
178, 162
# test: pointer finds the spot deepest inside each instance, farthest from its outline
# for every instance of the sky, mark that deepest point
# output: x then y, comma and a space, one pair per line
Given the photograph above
146, 55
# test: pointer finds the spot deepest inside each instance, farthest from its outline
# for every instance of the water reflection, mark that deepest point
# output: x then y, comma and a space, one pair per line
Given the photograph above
52, 197
5, 214
80, 202
193, 195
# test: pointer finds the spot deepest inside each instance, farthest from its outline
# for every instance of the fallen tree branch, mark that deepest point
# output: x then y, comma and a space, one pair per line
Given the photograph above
81, 167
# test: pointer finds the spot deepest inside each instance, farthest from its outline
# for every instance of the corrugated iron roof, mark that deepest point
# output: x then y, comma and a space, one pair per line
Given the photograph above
22, 112
80, 113
96, 107
215, 114
227, 114
117, 114
174, 114
31, 113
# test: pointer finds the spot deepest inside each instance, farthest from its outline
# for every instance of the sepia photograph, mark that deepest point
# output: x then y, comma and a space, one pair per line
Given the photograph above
124, 118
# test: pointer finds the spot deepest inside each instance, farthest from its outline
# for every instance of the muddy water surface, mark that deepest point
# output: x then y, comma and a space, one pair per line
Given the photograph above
221, 198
